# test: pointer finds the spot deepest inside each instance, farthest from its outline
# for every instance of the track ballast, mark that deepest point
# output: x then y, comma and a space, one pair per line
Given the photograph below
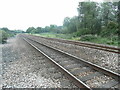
78, 70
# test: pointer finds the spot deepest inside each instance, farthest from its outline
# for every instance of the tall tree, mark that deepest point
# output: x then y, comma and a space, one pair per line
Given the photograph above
39, 30
70, 24
118, 19
31, 30
88, 15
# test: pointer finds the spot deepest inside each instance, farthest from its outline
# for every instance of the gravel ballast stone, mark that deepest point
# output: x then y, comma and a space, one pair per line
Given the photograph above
24, 67
105, 59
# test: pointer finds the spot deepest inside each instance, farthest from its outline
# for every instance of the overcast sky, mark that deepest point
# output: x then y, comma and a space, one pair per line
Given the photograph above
21, 14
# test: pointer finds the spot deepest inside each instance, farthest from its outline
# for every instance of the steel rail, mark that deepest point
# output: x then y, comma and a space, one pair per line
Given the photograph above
84, 44
94, 66
77, 82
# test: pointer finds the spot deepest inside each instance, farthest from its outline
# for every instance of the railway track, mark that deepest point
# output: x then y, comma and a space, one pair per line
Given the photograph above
85, 44
76, 69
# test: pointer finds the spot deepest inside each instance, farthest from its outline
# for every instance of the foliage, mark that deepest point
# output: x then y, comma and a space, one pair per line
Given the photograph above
101, 40
3, 36
51, 28
87, 37
31, 30
70, 24
95, 21
83, 31
53, 35
110, 30
5, 33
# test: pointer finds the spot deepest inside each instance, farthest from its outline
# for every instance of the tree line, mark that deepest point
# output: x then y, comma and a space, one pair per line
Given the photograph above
95, 19
51, 28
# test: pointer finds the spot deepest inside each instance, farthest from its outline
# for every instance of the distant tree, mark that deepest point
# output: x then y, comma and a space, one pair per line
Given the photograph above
5, 29
52, 28
47, 29
66, 21
70, 24
31, 30
38, 30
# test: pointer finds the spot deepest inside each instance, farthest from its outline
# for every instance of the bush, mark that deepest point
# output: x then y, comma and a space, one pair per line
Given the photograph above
110, 30
88, 38
3, 36
115, 38
82, 32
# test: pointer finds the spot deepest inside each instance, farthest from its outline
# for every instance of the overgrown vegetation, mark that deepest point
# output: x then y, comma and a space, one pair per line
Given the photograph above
96, 22
5, 33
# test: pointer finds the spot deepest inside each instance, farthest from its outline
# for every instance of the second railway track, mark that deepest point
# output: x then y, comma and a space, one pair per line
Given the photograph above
85, 44
82, 73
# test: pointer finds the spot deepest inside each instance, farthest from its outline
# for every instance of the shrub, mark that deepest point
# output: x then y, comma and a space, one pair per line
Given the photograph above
110, 30
83, 31
88, 37
3, 36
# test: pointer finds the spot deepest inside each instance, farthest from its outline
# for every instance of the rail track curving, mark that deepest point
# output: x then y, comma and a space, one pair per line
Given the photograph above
77, 69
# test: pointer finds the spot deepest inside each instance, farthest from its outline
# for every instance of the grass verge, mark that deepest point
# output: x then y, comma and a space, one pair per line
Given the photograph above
87, 38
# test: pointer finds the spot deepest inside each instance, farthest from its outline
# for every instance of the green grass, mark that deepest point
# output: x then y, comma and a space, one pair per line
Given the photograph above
53, 35
98, 39
107, 41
